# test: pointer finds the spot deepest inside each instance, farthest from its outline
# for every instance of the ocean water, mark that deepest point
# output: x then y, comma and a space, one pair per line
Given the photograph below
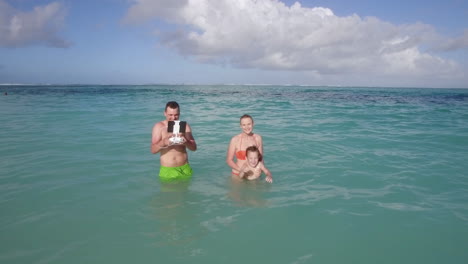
361, 175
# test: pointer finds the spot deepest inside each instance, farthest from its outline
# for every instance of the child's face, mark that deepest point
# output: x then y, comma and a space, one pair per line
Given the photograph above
252, 158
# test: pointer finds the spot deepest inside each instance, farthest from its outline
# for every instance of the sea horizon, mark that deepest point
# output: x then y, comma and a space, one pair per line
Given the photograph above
230, 84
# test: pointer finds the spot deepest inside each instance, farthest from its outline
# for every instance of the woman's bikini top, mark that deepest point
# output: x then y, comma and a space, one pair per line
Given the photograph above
241, 154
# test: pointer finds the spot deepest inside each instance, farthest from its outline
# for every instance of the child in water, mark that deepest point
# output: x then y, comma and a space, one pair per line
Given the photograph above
253, 168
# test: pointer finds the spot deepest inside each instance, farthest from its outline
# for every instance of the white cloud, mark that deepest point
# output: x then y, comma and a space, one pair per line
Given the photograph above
455, 43
144, 10
267, 34
39, 26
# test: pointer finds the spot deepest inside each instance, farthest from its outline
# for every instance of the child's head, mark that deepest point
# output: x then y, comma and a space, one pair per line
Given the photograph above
253, 155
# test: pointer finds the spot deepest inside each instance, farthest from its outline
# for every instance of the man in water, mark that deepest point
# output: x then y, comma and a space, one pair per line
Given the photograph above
174, 157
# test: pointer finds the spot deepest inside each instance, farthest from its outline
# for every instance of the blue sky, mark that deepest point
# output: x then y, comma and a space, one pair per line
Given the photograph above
410, 43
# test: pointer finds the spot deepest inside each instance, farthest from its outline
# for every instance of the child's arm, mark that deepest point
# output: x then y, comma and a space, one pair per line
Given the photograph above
268, 177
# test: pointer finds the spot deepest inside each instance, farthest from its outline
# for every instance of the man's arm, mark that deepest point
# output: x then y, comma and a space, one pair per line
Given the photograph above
157, 142
189, 139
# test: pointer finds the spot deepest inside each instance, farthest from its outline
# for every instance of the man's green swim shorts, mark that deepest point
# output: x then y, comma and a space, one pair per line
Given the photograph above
183, 172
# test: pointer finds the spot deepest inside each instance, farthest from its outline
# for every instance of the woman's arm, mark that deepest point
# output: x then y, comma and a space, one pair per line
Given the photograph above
259, 141
242, 171
230, 154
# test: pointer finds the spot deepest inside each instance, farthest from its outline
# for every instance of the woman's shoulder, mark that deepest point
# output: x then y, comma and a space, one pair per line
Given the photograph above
235, 138
238, 136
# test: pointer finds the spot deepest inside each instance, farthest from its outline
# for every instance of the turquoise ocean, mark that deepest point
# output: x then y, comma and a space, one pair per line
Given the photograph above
361, 175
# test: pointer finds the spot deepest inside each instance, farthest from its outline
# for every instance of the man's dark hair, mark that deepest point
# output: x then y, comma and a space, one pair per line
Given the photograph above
172, 104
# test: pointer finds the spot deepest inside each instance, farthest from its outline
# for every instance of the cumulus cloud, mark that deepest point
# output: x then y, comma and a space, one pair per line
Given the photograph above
39, 26
144, 10
454, 43
267, 34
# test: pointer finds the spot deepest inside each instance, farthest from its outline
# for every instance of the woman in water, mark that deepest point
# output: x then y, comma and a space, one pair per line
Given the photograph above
239, 144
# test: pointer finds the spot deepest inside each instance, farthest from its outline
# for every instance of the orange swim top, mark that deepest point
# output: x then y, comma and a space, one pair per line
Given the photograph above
241, 154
